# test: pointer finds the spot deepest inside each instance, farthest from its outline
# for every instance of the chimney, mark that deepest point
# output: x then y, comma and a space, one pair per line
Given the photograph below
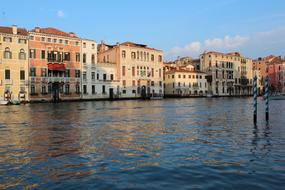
14, 29
37, 29
71, 34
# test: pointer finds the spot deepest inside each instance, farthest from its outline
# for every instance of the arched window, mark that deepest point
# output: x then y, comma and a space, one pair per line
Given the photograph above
7, 53
93, 58
22, 54
84, 58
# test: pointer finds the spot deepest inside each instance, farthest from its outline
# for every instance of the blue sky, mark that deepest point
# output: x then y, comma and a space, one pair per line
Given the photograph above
178, 27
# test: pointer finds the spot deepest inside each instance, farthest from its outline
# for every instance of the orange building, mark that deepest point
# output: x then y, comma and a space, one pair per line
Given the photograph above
54, 61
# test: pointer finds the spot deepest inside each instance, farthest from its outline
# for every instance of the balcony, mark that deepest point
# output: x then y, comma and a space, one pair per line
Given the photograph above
56, 66
9, 81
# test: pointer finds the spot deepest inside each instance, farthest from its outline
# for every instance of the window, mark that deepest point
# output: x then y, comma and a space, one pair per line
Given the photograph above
147, 56
67, 89
124, 91
133, 91
31, 37
54, 40
104, 76
152, 72
67, 73
93, 46
66, 42
152, 57
84, 89
22, 75
66, 56
84, 45
84, 58
22, 41
134, 83
32, 53
103, 89
93, 75
111, 77
60, 41
22, 54
133, 71
44, 90
93, 89
93, 59
43, 54
32, 72
123, 54
77, 73
160, 58
133, 55
43, 39
33, 89
77, 43
123, 70
43, 72
124, 83
7, 53
84, 74
98, 76
77, 57
152, 83
77, 89
7, 39
7, 74
49, 39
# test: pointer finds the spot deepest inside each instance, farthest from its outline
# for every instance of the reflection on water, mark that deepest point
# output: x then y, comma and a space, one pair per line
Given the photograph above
198, 143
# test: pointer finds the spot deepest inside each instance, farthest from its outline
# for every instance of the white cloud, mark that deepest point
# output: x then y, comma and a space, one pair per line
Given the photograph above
227, 43
189, 48
60, 14
258, 44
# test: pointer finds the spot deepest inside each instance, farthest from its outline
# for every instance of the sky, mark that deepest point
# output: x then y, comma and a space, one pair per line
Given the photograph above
256, 28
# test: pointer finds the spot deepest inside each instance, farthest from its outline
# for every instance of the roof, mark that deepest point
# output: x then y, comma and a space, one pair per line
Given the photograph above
131, 44
226, 54
183, 71
9, 30
54, 31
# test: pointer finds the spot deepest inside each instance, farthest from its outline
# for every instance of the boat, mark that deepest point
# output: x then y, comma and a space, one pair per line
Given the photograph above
277, 97
15, 102
4, 102
156, 97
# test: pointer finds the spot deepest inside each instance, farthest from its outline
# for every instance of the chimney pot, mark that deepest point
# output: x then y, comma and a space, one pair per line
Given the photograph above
14, 29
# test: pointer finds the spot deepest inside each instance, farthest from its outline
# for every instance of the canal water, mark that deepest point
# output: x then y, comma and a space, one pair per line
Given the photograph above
169, 144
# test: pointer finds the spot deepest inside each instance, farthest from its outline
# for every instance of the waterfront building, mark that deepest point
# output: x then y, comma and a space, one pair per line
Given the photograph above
88, 59
107, 83
273, 67
13, 64
229, 74
139, 68
55, 67
185, 82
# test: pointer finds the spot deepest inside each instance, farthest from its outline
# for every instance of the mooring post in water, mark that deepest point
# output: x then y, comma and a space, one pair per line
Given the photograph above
267, 98
254, 99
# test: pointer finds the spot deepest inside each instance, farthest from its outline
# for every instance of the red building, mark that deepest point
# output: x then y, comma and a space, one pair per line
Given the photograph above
54, 64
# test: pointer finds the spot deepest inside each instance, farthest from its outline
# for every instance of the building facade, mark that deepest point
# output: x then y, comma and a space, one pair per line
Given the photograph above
228, 74
13, 64
55, 67
273, 67
139, 68
185, 82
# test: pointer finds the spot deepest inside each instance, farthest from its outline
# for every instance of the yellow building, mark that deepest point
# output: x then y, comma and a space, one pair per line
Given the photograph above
185, 82
139, 68
13, 64
229, 74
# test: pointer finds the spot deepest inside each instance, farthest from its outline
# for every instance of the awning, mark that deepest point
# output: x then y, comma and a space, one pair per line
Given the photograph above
56, 67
